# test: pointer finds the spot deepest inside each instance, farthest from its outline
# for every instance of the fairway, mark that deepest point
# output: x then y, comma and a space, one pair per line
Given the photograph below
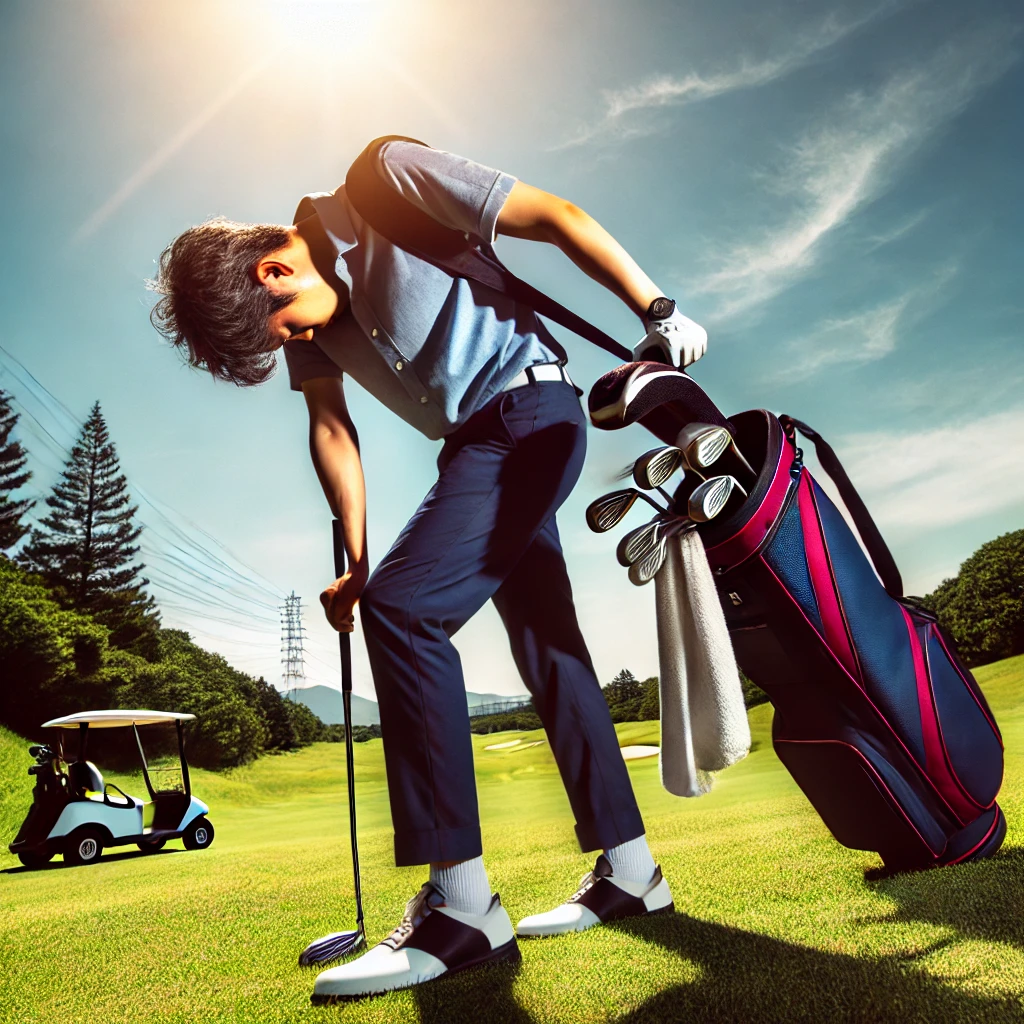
775, 921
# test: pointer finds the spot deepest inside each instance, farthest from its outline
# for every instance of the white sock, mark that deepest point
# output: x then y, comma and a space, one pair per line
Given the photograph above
632, 861
464, 885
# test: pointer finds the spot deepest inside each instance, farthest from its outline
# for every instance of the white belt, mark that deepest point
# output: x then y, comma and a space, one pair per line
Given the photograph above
538, 372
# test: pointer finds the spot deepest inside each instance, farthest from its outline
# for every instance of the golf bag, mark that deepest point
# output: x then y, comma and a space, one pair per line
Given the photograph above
878, 721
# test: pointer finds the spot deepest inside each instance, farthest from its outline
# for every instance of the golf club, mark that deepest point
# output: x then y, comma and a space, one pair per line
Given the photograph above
635, 544
646, 568
339, 944
709, 498
609, 510
703, 444
653, 468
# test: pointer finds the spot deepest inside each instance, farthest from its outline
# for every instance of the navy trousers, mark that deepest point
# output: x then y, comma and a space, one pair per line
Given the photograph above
487, 531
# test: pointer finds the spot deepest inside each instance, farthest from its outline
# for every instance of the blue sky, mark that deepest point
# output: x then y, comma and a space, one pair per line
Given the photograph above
832, 190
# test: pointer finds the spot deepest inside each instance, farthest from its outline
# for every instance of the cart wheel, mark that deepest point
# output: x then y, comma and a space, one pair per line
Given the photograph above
34, 860
152, 845
83, 847
198, 835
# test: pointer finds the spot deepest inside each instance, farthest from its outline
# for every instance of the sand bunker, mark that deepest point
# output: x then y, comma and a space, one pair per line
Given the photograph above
503, 746
631, 753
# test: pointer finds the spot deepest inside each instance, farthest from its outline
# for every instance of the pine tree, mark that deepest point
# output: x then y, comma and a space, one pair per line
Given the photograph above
85, 548
12, 476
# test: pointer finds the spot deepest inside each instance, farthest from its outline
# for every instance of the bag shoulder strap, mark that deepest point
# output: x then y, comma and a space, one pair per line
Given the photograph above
405, 225
878, 550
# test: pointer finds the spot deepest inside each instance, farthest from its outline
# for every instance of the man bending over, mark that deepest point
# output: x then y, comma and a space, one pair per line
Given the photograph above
468, 365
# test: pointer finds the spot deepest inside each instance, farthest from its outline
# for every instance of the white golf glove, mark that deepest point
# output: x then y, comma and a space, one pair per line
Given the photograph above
673, 338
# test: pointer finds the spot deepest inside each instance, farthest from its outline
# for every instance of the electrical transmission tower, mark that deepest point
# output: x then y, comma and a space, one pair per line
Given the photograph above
292, 634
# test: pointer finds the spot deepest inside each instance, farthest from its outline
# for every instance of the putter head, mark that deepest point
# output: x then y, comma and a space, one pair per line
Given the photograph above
653, 468
703, 444
332, 947
710, 497
609, 510
635, 544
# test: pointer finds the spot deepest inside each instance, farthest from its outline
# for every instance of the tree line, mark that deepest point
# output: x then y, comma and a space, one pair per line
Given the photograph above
78, 630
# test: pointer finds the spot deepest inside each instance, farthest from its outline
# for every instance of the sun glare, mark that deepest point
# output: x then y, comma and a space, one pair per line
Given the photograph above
334, 25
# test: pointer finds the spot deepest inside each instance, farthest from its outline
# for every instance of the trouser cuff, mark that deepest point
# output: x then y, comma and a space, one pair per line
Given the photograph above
606, 832
438, 845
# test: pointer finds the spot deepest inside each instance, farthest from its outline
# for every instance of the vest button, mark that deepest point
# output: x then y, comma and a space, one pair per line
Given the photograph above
399, 364
424, 400
374, 333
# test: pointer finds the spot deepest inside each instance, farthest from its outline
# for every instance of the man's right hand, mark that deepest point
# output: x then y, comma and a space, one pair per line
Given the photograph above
339, 600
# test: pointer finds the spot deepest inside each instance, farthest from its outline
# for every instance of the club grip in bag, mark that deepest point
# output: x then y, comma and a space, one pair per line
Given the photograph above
344, 639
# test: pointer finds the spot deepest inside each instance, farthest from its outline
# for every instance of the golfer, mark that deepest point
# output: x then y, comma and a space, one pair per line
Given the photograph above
466, 365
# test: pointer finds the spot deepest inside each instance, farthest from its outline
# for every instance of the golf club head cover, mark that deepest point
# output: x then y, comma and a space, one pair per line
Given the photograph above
656, 395
676, 340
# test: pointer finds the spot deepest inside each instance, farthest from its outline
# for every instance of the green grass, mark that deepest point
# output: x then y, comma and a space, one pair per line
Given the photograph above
776, 921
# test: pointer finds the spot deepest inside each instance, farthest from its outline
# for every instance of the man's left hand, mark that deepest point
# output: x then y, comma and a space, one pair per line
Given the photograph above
676, 340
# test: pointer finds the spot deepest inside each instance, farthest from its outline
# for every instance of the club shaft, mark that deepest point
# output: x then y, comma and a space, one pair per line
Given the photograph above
345, 650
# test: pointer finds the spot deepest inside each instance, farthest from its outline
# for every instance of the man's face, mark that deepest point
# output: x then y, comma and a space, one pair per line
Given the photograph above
314, 305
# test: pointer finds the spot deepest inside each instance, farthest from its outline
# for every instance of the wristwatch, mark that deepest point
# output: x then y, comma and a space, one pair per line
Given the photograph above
660, 309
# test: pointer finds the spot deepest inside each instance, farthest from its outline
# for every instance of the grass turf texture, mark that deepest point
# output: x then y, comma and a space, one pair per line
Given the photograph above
775, 922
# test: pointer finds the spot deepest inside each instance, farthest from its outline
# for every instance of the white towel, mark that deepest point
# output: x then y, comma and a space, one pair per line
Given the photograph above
704, 724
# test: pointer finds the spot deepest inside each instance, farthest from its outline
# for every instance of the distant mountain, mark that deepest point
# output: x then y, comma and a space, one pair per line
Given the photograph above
325, 703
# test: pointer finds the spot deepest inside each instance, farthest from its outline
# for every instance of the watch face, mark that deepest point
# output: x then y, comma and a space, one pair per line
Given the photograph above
661, 308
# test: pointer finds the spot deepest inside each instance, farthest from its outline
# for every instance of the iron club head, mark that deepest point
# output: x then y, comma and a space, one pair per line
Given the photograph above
710, 497
653, 468
702, 444
332, 947
635, 544
610, 509
645, 568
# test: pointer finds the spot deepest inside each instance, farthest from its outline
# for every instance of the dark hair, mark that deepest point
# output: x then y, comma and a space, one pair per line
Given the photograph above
213, 305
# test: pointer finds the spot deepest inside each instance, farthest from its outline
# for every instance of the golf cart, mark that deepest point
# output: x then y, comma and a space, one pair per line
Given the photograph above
75, 813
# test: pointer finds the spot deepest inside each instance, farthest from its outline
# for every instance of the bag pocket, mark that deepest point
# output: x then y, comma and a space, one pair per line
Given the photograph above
864, 801
971, 743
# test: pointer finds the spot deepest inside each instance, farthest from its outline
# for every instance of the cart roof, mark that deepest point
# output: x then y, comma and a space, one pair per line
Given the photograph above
113, 719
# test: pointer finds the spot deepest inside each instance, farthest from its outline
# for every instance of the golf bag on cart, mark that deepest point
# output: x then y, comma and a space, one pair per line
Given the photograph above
878, 721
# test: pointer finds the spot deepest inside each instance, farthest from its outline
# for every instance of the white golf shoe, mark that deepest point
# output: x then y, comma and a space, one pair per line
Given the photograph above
431, 940
600, 898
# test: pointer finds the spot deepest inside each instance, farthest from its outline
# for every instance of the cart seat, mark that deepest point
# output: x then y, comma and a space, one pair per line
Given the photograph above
84, 778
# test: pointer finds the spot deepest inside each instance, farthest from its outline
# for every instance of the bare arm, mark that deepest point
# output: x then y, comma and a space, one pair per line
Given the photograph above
334, 447
541, 217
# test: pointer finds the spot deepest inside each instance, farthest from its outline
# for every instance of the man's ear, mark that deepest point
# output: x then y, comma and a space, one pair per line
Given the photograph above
275, 274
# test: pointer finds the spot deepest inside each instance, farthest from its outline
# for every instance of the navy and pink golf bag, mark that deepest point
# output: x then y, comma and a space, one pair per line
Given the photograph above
878, 721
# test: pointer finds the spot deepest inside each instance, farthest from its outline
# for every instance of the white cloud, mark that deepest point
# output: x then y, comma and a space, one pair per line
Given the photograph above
847, 161
622, 106
865, 336
940, 476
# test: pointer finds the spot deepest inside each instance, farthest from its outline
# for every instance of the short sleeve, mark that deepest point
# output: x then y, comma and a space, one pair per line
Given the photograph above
456, 192
307, 361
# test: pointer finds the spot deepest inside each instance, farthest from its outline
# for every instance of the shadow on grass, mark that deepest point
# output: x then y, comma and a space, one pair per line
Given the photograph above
981, 901
744, 977
484, 994
748, 977
59, 865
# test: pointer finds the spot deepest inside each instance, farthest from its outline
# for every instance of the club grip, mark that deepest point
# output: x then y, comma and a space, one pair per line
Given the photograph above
344, 639
338, 534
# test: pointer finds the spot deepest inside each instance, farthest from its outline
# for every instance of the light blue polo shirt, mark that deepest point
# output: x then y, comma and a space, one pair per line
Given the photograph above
432, 348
